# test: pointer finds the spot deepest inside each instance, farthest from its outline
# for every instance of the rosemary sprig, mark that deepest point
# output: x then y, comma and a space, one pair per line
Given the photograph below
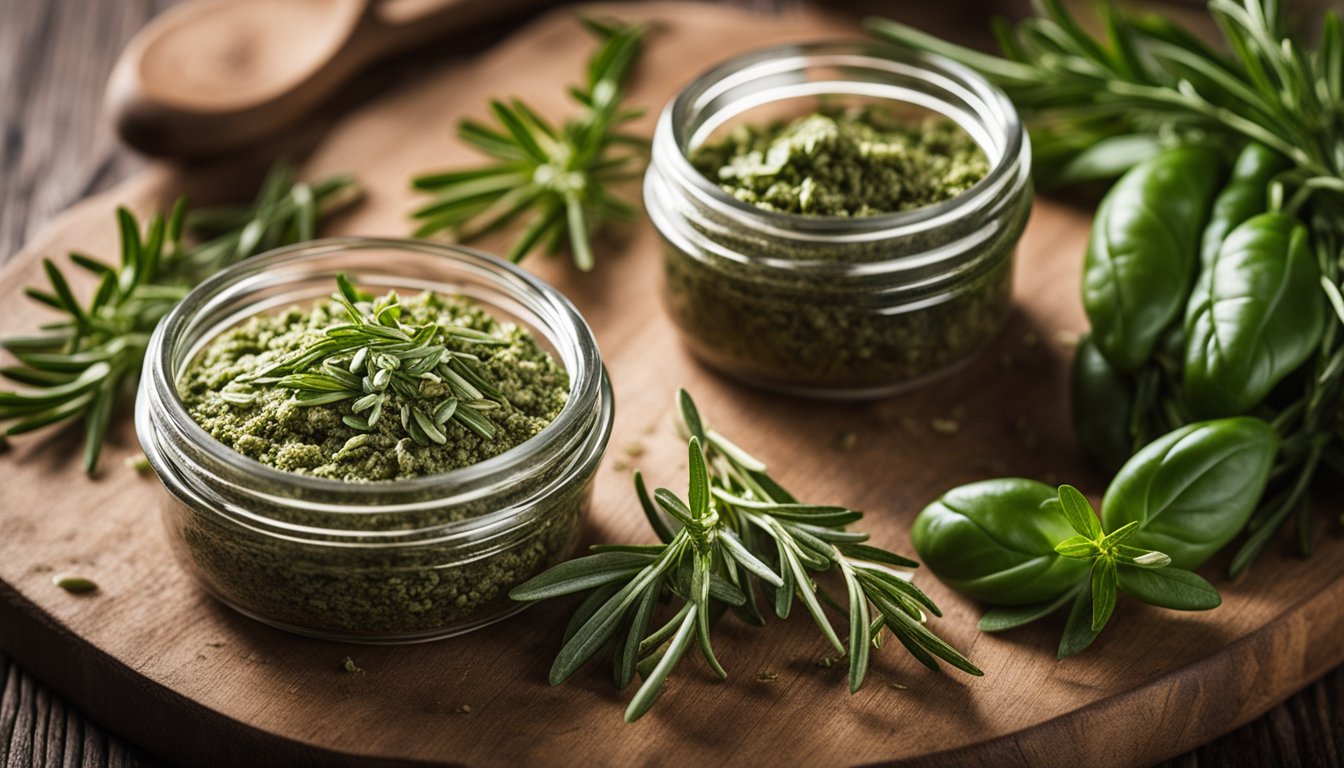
1092, 101
1098, 105
86, 361
558, 176
737, 530
375, 357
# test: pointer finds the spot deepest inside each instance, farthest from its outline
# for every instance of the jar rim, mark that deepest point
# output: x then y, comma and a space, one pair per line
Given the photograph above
671, 141
586, 383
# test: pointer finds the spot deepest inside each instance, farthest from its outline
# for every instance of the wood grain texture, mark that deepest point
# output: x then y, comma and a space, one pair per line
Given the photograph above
36, 728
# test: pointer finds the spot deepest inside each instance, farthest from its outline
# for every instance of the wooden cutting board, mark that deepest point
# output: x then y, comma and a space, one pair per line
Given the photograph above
154, 658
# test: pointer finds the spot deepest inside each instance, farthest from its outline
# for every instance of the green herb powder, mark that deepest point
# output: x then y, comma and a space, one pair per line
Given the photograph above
277, 430
857, 163
743, 309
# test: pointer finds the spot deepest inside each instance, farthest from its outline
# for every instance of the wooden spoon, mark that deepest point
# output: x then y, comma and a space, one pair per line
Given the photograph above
213, 75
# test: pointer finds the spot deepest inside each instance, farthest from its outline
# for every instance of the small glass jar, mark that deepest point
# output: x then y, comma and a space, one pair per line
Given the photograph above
380, 562
830, 306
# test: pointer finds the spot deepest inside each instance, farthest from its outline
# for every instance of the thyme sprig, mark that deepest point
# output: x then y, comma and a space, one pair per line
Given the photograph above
558, 176
738, 530
1099, 105
83, 363
375, 356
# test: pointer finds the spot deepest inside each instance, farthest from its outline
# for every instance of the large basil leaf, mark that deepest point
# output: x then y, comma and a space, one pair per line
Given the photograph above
1255, 318
992, 540
1143, 250
1192, 490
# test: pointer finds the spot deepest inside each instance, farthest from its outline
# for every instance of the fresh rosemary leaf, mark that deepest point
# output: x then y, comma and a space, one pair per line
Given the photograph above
858, 628
673, 506
653, 684
557, 176
690, 417
656, 521
876, 555
628, 656
83, 370
749, 561
740, 531
594, 600
581, 574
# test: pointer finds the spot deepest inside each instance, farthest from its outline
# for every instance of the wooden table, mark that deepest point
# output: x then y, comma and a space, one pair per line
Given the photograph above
54, 59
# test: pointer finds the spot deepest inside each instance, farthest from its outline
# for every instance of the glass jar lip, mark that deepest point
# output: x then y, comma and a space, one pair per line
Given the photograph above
672, 126
586, 384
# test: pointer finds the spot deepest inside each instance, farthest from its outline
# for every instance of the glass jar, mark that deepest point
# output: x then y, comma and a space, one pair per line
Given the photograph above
830, 306
380, 562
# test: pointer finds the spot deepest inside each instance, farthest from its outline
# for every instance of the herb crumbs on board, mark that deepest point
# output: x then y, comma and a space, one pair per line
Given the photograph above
73, 582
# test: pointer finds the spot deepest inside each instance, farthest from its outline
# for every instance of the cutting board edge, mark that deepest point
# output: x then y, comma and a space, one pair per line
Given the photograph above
1231, 659
160, 717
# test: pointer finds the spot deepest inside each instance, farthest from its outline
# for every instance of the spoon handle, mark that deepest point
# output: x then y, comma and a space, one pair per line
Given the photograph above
159, 108
392, 26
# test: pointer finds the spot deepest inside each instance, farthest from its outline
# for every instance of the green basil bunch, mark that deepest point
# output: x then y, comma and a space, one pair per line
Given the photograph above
1028, 549
1206, 302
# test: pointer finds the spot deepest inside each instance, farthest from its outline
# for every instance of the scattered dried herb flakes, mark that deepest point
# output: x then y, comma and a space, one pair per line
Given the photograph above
73, 582
348, 664
944, 426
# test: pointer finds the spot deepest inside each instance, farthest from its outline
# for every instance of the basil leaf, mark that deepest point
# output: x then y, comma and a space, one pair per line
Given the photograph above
1143, 250
1258, 315
1192, 490
1078, 632
1103, 407
1001, 619
1169, 588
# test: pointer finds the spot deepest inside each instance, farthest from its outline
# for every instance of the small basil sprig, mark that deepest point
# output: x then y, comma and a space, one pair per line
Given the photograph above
1111, 557
1114, 567
737, 531
1020, 547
